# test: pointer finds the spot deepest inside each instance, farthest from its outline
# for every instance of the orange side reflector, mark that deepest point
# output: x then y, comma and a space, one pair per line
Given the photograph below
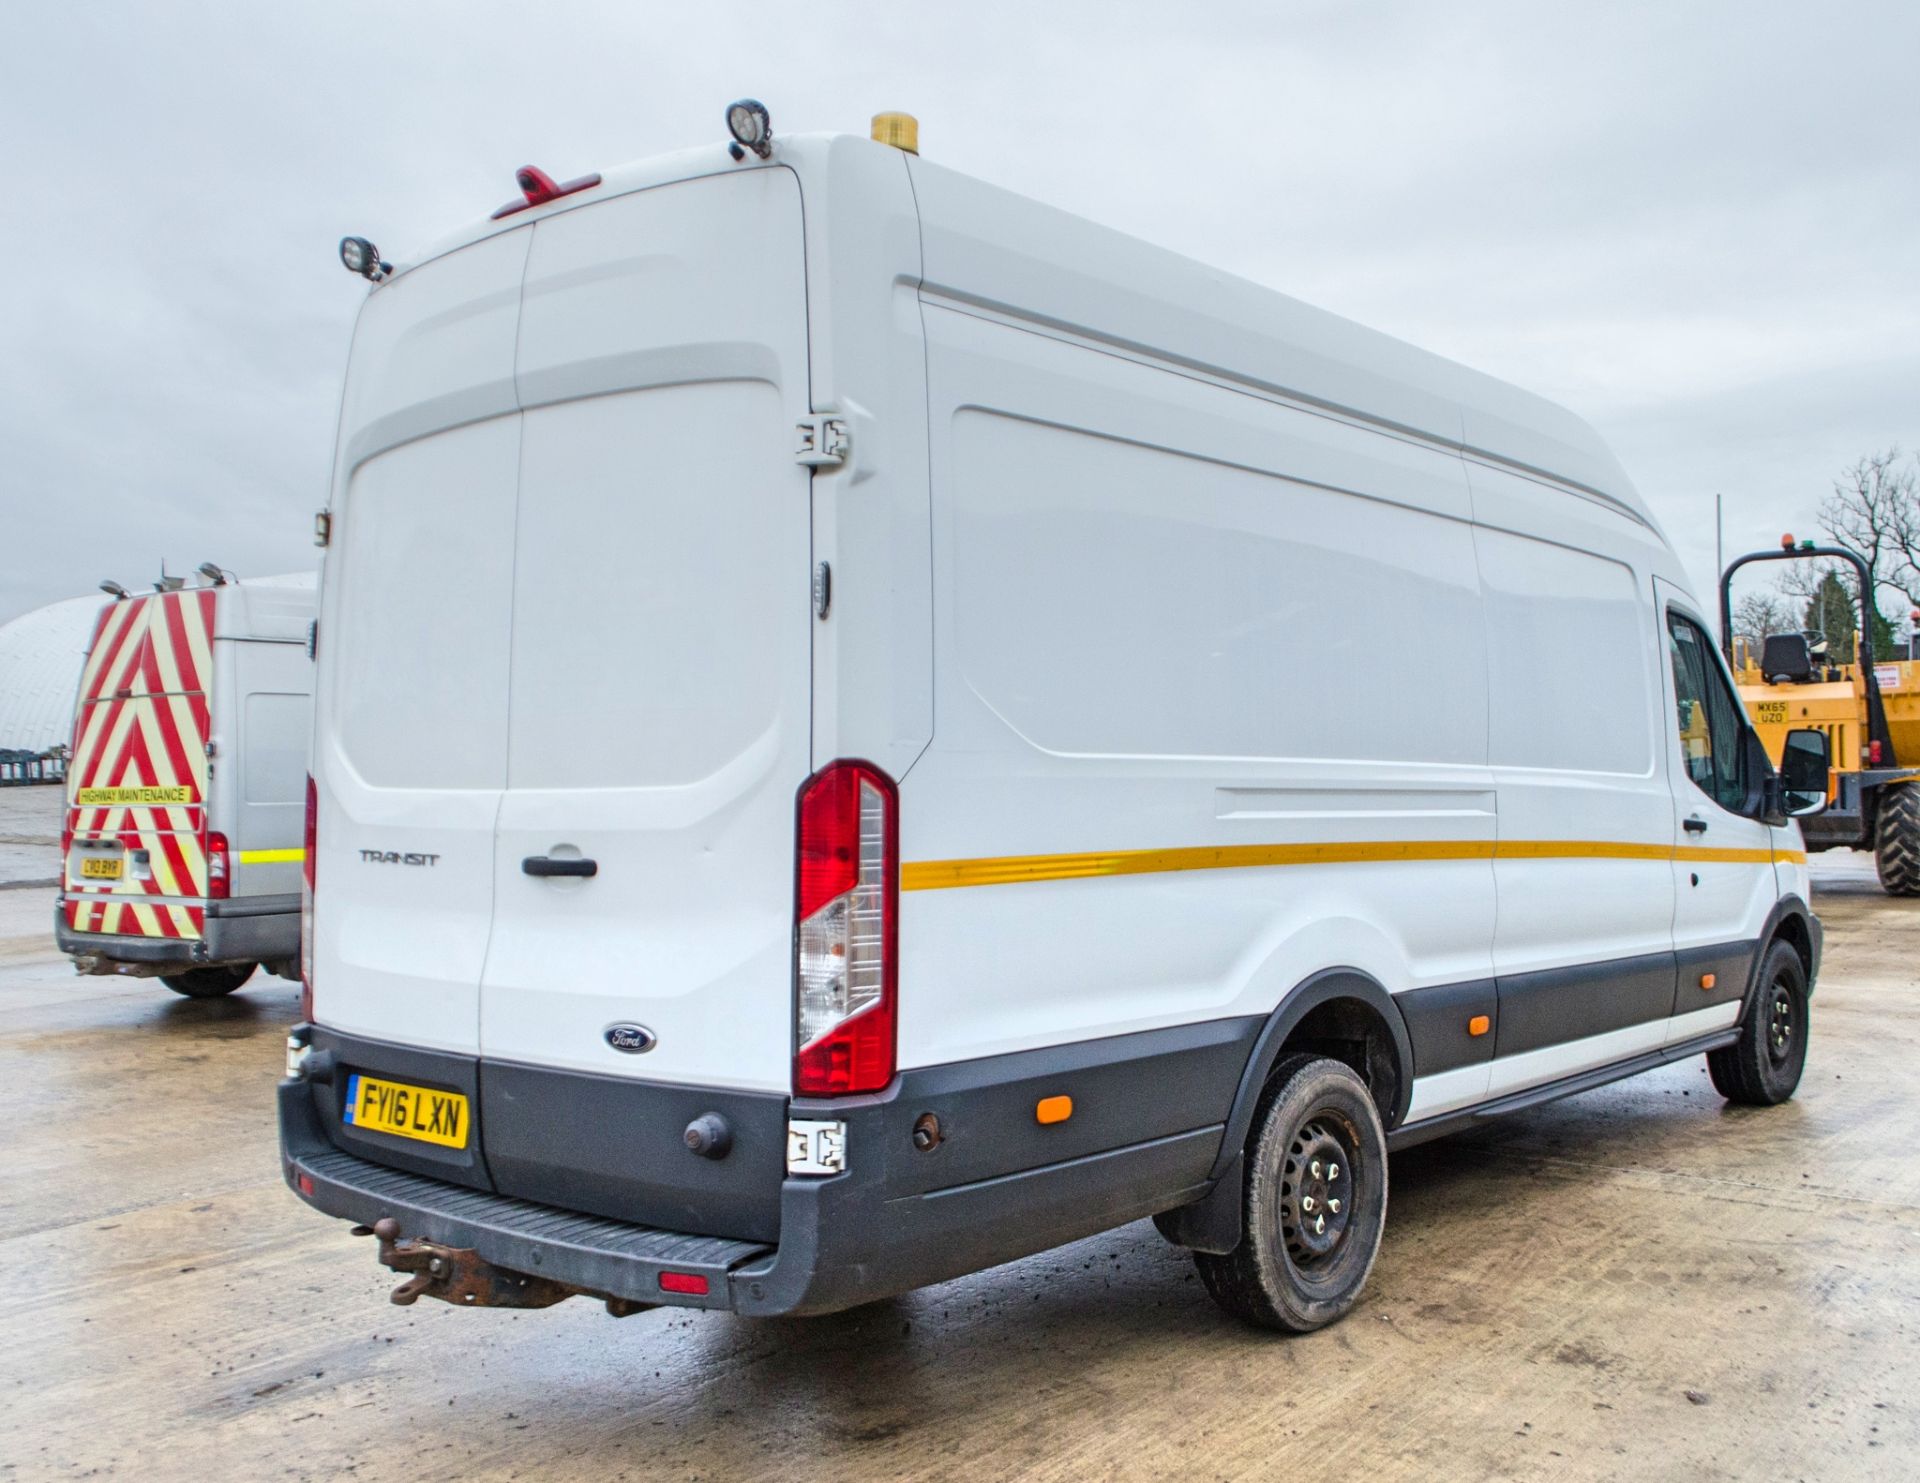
1708, 980
1053, 1109
1479, 1025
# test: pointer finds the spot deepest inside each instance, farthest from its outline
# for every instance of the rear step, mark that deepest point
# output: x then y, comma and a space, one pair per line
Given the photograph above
590, 1252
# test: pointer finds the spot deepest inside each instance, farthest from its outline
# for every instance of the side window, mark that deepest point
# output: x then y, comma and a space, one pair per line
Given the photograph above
1709, 715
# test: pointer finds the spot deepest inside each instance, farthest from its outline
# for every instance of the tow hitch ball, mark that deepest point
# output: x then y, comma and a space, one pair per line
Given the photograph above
457, 1275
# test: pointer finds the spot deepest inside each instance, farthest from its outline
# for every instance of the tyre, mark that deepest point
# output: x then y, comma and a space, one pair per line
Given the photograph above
209, 983
1896, 840
1314, 1202
1763, 1066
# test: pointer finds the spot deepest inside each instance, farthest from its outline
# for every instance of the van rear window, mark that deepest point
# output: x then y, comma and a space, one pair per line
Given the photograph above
419, 603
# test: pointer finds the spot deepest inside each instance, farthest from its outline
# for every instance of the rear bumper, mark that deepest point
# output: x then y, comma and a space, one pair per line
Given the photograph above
898, 1219
264, 929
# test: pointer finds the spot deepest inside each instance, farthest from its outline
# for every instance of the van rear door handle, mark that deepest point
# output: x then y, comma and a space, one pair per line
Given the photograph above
547, 865
1695, 825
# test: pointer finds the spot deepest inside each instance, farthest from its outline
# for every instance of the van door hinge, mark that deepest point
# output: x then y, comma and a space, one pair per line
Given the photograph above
322, 527
824, 442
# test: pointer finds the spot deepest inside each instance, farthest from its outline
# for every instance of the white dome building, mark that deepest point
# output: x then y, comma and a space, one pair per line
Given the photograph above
41, 653
40, 657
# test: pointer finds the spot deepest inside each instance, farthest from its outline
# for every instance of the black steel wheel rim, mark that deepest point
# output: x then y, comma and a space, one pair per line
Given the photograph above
1317, 1192
1783, 1023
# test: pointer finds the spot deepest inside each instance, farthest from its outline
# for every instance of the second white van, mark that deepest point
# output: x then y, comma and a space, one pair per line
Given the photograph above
181, 838
867, 727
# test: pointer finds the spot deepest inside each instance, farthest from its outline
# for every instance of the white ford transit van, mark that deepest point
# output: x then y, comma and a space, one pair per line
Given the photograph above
181, 842
867, 727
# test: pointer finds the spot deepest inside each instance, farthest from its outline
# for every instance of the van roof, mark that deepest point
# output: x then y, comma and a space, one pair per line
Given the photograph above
278, 607
988, 248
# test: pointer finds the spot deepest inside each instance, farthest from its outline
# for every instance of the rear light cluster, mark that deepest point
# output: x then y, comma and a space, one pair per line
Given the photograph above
219, 867
846, 911
306, 902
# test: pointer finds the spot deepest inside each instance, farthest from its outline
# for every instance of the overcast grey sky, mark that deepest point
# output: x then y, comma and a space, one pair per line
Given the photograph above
1696, 224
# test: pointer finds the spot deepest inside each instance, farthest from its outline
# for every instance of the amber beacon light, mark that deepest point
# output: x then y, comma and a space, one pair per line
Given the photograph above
901, 130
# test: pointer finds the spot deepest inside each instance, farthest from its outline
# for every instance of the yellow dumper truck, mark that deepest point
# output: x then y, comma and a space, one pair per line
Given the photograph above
1867, 711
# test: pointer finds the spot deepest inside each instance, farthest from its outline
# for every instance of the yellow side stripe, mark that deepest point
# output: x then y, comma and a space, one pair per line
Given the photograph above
272, 857
940, 875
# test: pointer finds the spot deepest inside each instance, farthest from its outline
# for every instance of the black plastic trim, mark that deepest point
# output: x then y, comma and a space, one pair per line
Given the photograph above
1556, 1005
1437, 1020
1147, 1121
414, 1066
280, 902
1730, 963
616, 1147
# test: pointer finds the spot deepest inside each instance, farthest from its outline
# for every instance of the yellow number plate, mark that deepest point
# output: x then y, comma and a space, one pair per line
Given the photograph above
407, 1111
1774, 711
100, 868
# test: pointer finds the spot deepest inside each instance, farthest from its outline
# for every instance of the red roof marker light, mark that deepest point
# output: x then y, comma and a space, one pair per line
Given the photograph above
538, 188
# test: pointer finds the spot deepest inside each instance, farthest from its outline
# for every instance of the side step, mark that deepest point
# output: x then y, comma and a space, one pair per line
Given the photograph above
1409, 1134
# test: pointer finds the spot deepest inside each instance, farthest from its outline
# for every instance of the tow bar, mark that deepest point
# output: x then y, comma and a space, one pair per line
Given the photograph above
457, 1275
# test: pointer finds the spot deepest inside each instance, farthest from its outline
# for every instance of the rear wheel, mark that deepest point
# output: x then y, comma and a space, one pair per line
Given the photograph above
1762, 1067
1314, 1203
210, 983
1896, 840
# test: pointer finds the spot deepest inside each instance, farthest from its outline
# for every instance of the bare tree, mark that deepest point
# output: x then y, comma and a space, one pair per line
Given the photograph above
1758, 616
1875, 509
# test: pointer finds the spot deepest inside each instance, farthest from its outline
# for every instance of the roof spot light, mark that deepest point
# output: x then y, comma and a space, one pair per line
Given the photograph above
748, 122
113, 589
362, 257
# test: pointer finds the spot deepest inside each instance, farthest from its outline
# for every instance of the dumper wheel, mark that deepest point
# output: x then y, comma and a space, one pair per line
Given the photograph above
209, 983
1762, 1067
1896, 843
1314, 1204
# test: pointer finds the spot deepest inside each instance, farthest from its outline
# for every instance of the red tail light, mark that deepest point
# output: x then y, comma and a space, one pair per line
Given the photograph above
1873, 754
306, 901
687, 1282
219, 868
846, 914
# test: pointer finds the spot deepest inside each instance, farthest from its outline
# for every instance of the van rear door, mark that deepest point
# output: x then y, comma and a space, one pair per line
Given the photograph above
659, 718
410, 744
137, 781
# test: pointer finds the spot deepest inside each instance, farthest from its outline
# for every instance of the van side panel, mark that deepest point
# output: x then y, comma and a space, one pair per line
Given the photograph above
273, 718
1583, 950
1189, 642
873, 653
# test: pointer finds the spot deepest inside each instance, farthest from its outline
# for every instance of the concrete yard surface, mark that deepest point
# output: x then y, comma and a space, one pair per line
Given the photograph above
30, 835
1637, 1283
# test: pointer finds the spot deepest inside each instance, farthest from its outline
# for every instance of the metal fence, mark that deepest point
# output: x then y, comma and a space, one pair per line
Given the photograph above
18, 768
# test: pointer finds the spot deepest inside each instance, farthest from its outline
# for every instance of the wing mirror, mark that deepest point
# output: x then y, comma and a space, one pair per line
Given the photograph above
1806, 772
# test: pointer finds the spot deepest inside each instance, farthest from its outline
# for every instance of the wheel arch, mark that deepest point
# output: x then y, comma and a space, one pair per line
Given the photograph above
1325, 1008
1791, 921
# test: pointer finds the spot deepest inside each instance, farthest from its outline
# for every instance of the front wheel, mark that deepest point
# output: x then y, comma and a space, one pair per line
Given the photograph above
1762, 1067
1314, 1203
209, 983
1896, 840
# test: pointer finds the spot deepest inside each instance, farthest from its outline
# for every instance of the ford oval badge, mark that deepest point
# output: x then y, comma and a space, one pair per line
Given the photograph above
633, 1039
